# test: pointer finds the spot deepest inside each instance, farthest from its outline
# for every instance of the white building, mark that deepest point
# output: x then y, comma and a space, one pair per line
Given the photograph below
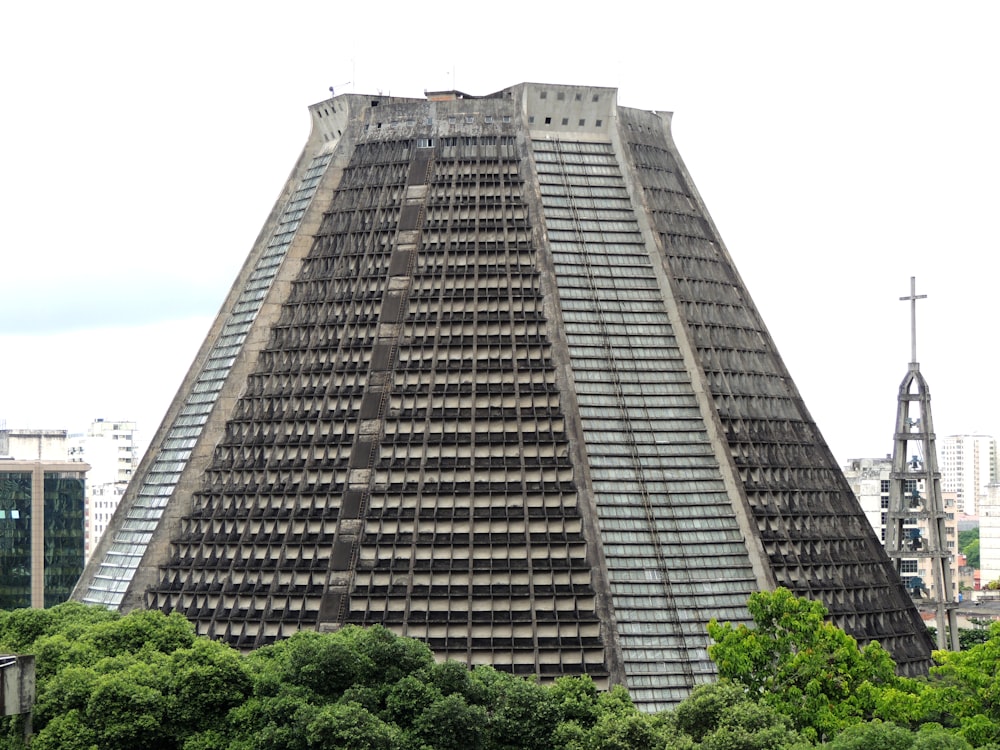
968, 466
111, 450
869, 479
989, 535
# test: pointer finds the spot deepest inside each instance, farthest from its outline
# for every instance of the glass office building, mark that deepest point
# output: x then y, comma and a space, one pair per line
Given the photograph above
41, 532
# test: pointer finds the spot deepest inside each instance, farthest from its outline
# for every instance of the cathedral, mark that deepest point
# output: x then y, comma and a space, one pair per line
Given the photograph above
490, 378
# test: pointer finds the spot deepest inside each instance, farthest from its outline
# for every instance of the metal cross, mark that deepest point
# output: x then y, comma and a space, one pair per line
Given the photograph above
913, 317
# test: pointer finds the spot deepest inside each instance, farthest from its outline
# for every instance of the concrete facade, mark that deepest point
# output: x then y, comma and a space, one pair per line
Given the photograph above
37, 445
489, 377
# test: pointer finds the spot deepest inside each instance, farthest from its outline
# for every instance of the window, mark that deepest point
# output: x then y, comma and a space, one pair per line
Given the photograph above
599, 123
908, 566
582, 122
565, 121
544, 95
548, 120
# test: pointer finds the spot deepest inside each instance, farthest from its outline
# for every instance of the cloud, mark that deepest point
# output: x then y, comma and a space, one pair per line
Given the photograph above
66, 305
65, 380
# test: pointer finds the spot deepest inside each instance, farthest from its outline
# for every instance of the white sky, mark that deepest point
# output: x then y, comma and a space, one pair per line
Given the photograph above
840, 147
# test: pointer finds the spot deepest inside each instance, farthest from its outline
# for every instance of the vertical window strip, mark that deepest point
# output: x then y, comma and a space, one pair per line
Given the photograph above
585, 253
121, 562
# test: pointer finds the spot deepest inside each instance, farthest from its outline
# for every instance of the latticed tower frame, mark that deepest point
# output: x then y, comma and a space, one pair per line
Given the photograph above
914, 438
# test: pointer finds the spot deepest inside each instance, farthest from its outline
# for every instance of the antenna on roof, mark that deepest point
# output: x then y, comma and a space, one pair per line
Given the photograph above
332, 93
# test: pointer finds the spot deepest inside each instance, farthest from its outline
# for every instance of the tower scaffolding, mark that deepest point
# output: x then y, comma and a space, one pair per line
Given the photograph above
915, 495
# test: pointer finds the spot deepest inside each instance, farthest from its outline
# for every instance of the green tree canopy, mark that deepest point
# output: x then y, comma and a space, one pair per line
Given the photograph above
803, 666
968, 545
107, 682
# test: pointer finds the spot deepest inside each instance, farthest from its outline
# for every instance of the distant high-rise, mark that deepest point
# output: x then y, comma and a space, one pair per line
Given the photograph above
489, 377
968, 466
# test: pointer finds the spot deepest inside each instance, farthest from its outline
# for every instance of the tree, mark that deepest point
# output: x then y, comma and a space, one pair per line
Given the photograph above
969, 637
933, 736
140, 681
752, 726
875, 735
968, 545
351, 726
202, 684
964, 690
574, 699
723, 715
803, 666
69, 731
142, 631
518, 715
450, 724
21, 628
701, 712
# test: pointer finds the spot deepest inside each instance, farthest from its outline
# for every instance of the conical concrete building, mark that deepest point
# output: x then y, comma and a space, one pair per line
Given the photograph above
489, 377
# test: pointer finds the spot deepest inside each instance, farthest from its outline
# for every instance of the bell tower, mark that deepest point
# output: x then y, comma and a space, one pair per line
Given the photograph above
916, 518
